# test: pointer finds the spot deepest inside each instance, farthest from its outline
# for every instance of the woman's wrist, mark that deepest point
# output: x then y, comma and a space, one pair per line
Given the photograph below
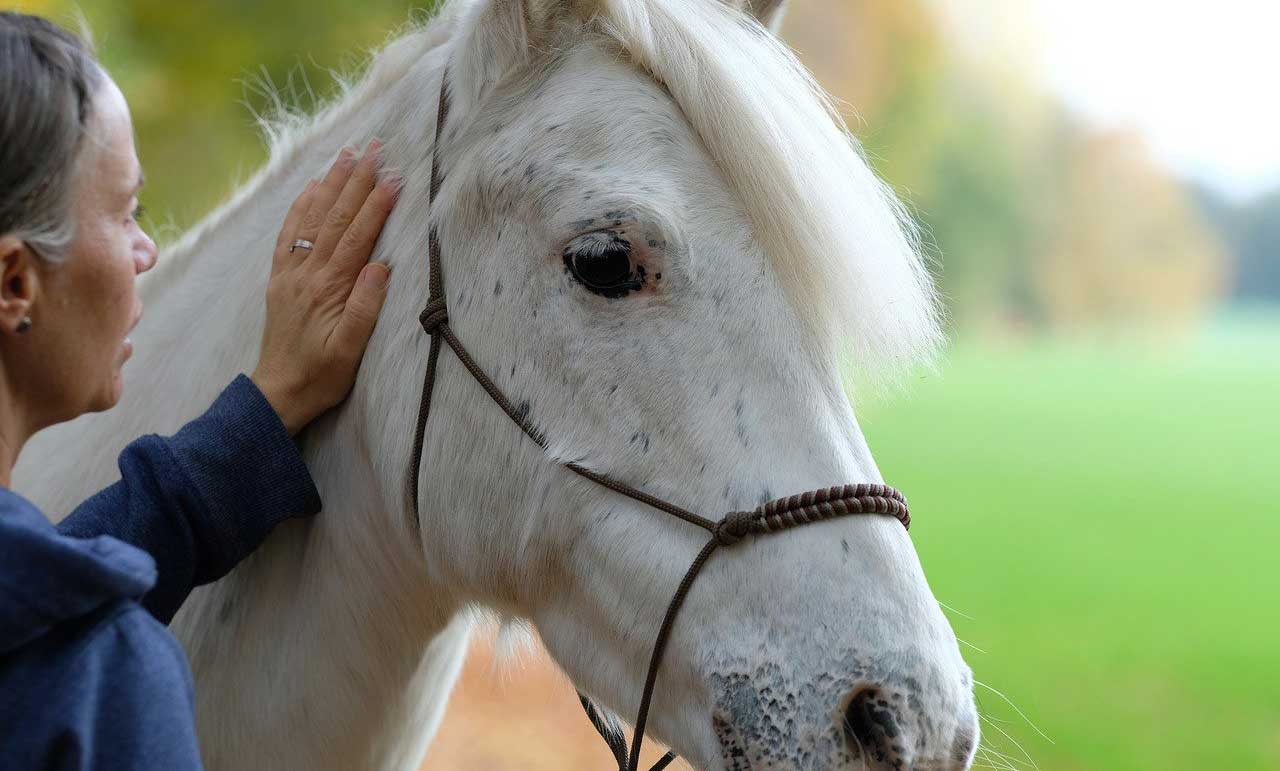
286, 401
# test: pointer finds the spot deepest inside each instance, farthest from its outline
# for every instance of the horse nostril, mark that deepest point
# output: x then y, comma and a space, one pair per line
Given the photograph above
871, 725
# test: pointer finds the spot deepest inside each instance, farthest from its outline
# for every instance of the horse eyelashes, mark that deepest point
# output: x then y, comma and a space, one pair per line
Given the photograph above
601, 271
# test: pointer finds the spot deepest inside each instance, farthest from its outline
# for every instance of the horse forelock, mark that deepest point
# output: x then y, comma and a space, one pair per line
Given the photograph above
839, 241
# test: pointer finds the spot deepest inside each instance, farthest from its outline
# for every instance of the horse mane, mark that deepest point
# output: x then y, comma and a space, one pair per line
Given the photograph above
839, 240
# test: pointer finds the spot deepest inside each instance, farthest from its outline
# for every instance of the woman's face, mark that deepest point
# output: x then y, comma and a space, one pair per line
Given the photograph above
90, 302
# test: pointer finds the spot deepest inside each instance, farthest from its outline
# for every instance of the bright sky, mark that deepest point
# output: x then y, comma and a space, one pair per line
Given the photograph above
1200, 80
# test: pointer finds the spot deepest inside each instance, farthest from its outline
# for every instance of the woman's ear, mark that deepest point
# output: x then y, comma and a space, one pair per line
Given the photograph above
19, 284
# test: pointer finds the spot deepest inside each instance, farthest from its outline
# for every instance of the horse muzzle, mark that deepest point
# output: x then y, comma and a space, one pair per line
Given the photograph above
851, 714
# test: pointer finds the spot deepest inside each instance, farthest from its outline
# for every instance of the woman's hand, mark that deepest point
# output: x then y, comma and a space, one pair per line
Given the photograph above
323, 303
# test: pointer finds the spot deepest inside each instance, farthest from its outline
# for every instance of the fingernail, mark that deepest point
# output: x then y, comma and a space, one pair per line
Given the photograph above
346, 157
376, 275
394, 183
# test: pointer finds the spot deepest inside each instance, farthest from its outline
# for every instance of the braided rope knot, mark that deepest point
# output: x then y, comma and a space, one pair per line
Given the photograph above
831, 502
434, 316
735, 526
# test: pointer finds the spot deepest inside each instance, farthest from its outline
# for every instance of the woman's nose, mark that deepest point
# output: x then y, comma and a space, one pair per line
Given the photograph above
144, 258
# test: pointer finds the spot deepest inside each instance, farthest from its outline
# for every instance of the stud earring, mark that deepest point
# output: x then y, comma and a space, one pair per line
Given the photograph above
23, 325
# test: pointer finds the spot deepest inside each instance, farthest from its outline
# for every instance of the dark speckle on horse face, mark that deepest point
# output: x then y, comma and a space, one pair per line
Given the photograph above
641, 438
765, 721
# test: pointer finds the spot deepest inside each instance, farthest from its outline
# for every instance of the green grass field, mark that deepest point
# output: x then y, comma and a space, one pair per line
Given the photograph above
1107, 520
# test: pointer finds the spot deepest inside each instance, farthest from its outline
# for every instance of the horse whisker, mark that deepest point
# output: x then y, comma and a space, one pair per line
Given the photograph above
1021, 714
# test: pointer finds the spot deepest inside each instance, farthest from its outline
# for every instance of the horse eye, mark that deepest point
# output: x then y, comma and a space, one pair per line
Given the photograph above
602, 271
602, 264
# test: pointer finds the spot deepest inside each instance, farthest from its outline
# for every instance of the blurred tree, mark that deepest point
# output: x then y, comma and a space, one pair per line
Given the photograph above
1035, 220
1126, 243
1252, 229
196, 74
936, 133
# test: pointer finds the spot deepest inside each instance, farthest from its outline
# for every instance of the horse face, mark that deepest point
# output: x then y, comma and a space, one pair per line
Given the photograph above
613, 282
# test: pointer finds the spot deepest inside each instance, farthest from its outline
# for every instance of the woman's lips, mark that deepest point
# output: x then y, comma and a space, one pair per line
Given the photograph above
127, 344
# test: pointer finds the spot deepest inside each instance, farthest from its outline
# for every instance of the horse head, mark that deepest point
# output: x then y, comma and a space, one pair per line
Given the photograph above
660, 243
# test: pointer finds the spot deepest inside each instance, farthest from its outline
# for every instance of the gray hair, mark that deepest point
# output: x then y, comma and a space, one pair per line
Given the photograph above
48, 77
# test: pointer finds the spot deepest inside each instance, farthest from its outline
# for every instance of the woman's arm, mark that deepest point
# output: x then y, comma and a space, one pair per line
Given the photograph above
203, 499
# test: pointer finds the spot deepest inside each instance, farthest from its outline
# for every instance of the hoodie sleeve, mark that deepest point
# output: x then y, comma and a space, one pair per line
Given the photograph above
202, 500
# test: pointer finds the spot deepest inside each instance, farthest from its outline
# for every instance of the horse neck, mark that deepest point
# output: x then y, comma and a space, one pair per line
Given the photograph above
313, 655
327, 648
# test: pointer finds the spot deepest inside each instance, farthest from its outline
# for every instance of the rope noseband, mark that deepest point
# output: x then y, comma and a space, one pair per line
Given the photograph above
772, 517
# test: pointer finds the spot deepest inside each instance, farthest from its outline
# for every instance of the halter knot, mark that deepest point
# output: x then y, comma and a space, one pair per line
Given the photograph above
434, 316
734, 527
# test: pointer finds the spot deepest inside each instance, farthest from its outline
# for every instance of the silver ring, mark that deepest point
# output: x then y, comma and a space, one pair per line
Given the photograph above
301, 243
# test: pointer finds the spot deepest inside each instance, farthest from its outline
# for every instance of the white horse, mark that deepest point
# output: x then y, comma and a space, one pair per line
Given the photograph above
761, 246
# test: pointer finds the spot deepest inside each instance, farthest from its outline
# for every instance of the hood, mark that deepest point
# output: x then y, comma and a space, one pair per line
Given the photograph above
47, 578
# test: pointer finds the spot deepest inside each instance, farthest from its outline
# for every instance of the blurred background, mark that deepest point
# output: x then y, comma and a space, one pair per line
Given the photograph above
1093, 467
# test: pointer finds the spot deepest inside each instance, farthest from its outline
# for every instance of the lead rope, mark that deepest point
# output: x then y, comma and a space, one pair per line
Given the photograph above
771, 517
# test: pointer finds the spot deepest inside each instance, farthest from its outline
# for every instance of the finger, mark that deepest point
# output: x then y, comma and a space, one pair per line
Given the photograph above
325, 194
292, 221
343, 212
356, 244
360, 315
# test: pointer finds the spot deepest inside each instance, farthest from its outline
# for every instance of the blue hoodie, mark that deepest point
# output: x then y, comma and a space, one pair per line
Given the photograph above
90, 676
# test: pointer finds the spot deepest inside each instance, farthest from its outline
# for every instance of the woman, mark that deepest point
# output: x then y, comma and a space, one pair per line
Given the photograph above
89, 675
